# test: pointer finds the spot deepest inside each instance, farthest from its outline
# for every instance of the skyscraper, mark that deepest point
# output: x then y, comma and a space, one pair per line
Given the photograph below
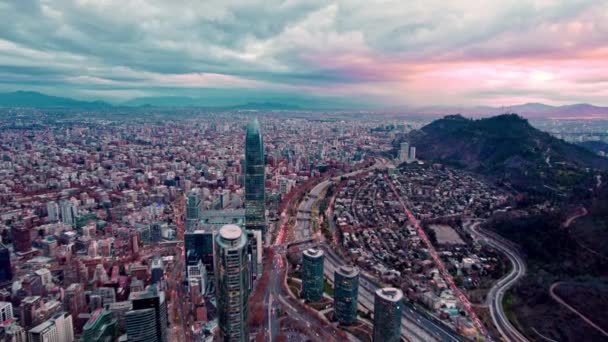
312, 274
151, 298
232, 279
193, 209
198, 245
6, 273
255, 177
22, 239
141, 325
346, 291
387, 315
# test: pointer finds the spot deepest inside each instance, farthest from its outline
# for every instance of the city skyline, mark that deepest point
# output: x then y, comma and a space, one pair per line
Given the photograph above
343, 54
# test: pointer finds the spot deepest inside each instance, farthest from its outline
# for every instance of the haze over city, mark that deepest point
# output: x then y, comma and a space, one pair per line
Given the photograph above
248, 171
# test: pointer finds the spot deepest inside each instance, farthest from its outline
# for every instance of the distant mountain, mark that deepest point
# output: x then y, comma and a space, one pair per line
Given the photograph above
216, 103
266, 106
509, 148
528, 110
39, 100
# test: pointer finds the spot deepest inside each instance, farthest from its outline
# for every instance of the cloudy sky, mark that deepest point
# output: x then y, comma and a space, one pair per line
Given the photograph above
384, 53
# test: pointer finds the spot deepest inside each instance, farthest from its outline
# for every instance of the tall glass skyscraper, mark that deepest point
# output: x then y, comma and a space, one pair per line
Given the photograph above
346, 291
387, 315
255, 177
312, 274
232, 283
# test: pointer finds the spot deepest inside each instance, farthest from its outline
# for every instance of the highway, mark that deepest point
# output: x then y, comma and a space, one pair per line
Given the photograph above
497, 292
416, 325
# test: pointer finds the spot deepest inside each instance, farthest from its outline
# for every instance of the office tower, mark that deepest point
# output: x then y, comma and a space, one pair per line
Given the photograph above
157, 270
151, 298
312, 274
404, 152
156, 232
74, 300
346, 291
22, 239
387, 315
119, 310
193, 209
412, 156
255, 178
232, 283
43, 332
101, 327
199, 246
69, 212
6, 272
63, 326
141, 325
52, 210
29, 305
6, 311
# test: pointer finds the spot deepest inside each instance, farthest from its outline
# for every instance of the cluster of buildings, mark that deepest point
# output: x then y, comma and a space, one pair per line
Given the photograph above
377, 235
388, 306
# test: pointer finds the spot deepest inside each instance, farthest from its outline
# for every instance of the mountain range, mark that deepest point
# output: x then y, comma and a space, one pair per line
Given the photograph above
214, 99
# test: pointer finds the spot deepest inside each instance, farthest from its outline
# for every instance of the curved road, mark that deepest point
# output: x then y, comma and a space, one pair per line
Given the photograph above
497, 292
583, 317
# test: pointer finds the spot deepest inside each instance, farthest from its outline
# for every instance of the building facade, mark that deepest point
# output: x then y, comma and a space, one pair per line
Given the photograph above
232, 283
141, 325
312, 274
151, 298
346, 292
388, 308
6, 271
255, 178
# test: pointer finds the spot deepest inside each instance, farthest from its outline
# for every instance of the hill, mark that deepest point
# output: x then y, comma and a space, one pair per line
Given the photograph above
595, 146
528, 110
39, 100
509, 148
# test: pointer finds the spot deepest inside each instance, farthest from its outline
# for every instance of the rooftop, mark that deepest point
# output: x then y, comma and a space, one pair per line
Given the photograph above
390, 294
314, 253
231, 232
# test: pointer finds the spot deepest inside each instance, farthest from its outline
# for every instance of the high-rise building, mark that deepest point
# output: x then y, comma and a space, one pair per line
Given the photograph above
404, 152
198, 245
43, 332
64, 326
69, 212
101, 327
6, 272
22, 239
141, 325
388, 309
255, 178
346, 291
157, 270
232, 283
6, 311
52, 210
74, 300
412, 156
193, 209
27, 310
151, 298
312, 274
